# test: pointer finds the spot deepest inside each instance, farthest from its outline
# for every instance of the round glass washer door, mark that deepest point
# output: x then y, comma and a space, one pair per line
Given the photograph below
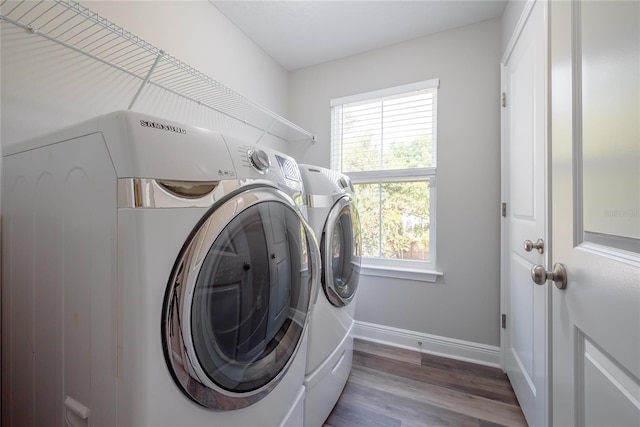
341, 256
238, 299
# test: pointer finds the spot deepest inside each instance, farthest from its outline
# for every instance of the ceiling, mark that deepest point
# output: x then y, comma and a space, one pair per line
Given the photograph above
299, 34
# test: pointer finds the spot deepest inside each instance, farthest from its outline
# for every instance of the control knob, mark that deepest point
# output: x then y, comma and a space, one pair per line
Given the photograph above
259, 160
344, 182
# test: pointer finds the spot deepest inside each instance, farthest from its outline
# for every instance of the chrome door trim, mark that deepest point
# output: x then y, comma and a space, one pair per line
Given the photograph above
156, 193
161, 193
328, 281
320, 200
178, 347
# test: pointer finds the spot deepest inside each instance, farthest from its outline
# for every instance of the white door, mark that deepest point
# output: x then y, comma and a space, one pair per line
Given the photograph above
595, 139
525, 334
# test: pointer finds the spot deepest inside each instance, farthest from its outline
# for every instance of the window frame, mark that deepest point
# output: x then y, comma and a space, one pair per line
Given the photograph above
384, 267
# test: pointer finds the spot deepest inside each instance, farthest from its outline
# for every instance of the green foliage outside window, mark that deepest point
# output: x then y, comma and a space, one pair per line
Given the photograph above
394, 215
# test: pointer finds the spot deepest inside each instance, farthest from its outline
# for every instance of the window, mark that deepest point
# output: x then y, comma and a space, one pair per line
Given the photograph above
386, 142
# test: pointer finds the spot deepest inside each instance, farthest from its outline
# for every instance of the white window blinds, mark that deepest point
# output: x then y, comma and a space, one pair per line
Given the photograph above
385, 130
386, 142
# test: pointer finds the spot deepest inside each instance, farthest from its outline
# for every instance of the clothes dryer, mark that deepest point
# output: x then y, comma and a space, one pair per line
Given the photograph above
333, 216
154, 274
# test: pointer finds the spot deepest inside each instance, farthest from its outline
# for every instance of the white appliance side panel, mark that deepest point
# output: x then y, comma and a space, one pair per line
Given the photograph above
17, 294
58, 285
47, 301
64, 134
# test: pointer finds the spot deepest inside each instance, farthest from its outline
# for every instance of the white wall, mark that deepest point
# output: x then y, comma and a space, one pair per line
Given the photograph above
46, 86
464, 304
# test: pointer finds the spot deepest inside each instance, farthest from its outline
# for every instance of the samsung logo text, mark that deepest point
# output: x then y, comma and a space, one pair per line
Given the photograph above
168, 128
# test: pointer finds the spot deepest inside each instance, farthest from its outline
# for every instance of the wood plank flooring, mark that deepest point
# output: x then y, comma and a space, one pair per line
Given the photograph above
390, 387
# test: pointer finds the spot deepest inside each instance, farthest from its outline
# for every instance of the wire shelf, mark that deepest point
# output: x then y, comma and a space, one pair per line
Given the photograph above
78, 28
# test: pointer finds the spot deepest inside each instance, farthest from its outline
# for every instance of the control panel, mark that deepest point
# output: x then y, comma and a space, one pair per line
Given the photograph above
264, 163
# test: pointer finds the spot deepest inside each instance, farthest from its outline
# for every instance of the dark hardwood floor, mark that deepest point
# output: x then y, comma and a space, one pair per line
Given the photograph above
390, 387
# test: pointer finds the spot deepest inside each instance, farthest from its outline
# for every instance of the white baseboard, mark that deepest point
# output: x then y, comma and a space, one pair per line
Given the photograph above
466, 351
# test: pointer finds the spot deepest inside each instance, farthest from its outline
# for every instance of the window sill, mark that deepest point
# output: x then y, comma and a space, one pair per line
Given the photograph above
419, 275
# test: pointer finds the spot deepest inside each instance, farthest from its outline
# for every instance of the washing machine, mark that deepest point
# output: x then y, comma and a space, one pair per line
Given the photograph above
154, 274
333, 216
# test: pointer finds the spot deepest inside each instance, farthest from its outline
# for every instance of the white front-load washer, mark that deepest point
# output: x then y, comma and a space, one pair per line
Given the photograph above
333, 216
154, 274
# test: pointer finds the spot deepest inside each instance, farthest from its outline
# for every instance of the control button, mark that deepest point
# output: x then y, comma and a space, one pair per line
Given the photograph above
259, 160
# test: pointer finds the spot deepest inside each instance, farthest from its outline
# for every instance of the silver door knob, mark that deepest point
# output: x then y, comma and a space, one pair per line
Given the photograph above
539, 245
558, 275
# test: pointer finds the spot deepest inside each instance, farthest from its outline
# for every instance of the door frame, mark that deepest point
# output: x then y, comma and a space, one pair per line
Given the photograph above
504, 237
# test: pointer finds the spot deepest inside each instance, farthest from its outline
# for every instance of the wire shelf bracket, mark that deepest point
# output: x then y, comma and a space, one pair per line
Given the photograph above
76, 27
